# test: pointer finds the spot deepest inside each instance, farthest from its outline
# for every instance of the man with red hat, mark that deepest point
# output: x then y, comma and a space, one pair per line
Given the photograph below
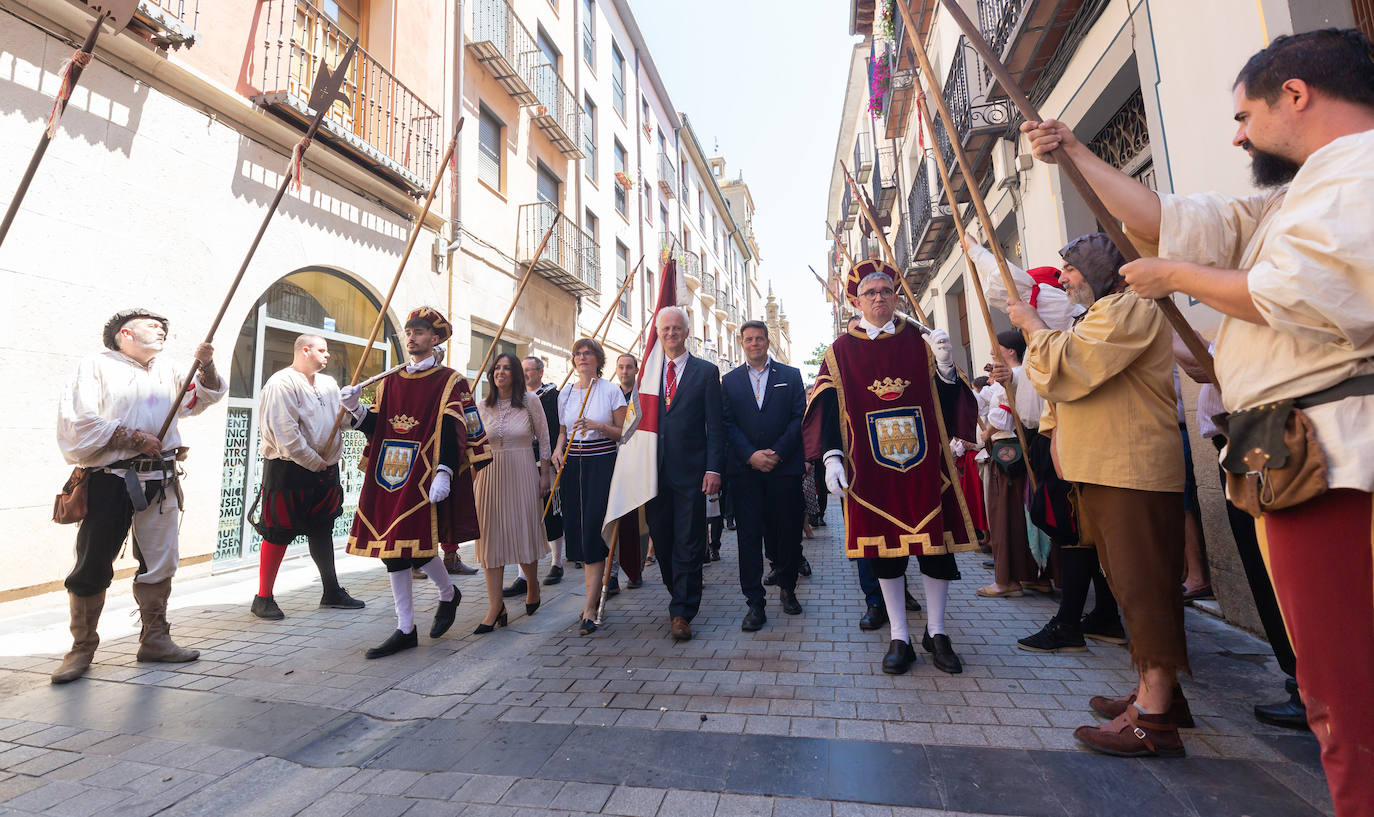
425, 438
107, 424
882, 412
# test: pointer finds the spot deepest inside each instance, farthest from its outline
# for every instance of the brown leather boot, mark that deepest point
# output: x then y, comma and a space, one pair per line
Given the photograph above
681, 629
1133, 734
155, 641
1179, 714
85, 617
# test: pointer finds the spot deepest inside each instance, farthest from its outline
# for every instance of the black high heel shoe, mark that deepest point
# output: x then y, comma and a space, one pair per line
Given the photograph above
531, 607
501, 621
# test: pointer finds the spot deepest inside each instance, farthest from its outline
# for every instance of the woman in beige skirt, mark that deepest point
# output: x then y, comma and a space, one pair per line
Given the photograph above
510, 490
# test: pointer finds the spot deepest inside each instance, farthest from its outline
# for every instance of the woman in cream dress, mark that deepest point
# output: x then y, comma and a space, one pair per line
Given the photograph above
509, 491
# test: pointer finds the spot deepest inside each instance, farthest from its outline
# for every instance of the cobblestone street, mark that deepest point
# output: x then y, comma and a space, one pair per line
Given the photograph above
282, 718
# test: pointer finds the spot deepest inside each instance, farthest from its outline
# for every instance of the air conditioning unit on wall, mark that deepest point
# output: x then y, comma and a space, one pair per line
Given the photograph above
1007, 164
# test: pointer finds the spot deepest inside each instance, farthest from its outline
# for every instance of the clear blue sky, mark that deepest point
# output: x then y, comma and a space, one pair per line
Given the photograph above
764, 80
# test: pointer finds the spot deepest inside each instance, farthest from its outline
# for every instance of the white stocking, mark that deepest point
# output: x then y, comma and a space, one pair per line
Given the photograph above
557, 547
434, 569
405, 604
937, 593
894, 596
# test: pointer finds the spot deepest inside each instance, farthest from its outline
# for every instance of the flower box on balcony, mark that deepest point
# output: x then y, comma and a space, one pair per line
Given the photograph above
879, 80
648, 131
624, 181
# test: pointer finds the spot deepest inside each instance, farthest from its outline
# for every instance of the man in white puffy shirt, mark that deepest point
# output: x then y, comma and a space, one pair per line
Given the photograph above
1291, 270
107, 422
298, 411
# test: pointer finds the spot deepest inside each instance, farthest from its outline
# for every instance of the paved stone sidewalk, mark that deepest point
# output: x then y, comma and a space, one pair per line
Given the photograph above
287, 717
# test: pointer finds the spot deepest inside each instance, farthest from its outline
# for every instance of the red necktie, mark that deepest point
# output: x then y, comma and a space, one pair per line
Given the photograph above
671, 380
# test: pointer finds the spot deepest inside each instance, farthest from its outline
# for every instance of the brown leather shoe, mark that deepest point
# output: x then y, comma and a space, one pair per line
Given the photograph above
681, 629
1179, 714
1133, 734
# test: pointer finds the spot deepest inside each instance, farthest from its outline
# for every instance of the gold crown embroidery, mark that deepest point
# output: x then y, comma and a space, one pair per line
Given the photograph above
889, 389
403, 423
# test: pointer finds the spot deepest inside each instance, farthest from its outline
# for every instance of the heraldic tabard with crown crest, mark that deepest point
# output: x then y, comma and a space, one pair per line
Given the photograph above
894, 433
395, 518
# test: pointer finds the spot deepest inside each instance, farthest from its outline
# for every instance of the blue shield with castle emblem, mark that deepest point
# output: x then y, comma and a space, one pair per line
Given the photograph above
395, 460
897, 437
473, 420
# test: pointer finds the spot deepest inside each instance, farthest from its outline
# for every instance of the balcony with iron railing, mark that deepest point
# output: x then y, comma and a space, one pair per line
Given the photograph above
884, 185
732, 317
707, 293
380, 123
690, 266
863, 156
571, 259
931, 220
849, 207
722, 306
667, 176
502, 44
978, 118
167, 23
556, 112
1025, 34
901, 89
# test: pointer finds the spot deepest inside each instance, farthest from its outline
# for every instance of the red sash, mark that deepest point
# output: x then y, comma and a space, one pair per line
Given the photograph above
904, 497
395, 518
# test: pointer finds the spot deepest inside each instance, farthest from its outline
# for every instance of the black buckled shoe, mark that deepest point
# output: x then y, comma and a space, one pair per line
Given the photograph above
912, 605
1290, 714
945, 659
772, 577
516, 588
873, 618
397, 642
339, 599
755, 618
555, 576
790, 605
900, 656
266, 607
805, 569
1054, 637
444, 616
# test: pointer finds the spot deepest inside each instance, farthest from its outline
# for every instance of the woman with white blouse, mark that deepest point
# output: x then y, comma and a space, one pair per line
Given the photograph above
509, 490
590, 414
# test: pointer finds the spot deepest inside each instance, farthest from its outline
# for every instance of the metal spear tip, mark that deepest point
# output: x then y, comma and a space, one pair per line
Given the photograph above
329, 82
117, 12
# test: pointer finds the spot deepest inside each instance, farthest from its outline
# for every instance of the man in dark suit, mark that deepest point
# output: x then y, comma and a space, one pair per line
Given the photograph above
764, 402
691, 451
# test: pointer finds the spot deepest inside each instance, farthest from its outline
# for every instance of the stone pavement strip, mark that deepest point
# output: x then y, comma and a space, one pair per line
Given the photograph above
283, 718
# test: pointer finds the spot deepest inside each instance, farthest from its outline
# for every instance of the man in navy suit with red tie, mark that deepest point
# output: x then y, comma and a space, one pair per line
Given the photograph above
691, 447
764, 402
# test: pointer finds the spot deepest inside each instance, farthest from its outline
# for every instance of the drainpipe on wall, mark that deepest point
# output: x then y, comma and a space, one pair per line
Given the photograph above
578, 176
455, 199
639, 165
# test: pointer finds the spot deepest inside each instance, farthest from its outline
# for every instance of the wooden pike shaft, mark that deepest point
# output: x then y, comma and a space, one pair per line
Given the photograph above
872, 220
298, 157
400, 268
64, 96
606, 576
534, 259
553, 489
1104, 216
984, 217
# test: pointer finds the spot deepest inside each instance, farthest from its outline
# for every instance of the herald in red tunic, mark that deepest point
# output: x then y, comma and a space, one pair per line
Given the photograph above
904, 497
395, 518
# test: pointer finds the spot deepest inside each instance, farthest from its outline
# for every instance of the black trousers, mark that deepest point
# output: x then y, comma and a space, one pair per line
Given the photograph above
768, 517
677, 523
109, 514
1266, 604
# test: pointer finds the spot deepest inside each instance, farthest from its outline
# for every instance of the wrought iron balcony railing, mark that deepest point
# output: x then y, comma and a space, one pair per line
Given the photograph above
967, 95
169, 23
884, 184
849, 208
502, 44
722, 305
380, 123
1025, 34
667, 176
863, 156
930, 218
556, 113
732, 316
571, 259
707, 293
690, 267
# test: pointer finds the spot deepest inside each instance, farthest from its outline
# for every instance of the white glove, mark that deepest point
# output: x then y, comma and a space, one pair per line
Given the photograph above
944, 353
956, 447
834, 475
438, 489
348, 397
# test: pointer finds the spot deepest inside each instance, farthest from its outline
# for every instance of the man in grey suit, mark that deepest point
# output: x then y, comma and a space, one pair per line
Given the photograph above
691, 453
